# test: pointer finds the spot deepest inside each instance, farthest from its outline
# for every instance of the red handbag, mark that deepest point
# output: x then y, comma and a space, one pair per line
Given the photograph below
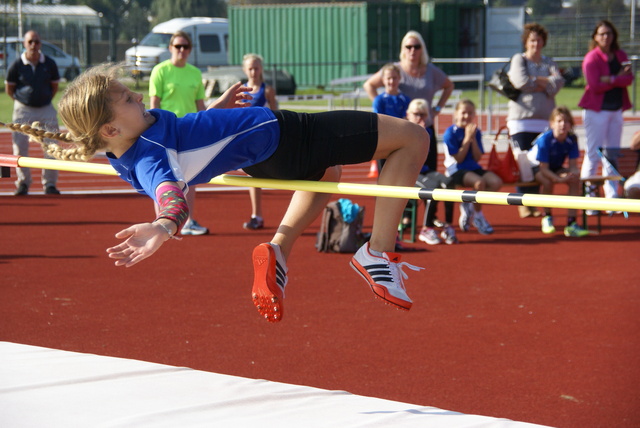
507, 167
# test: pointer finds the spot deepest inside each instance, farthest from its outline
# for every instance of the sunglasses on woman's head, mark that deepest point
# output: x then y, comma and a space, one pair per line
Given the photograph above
416, 47
179, 47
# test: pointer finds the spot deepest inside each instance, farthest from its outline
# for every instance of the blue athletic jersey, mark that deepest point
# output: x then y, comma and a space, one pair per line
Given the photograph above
391, 105
259, 99
453, 138
549, 150
197, 147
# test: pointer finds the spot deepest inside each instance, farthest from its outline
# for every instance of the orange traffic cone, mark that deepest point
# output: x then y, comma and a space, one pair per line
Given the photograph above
373, 170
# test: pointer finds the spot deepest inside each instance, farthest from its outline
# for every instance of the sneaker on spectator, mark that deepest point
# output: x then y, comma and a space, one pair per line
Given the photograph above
429, 236
466, 216
192, 227
269, 281
438, 223
384, 275
254, 224
575, 231
448, 235
22, 190
547, 225
482, 224
51, 190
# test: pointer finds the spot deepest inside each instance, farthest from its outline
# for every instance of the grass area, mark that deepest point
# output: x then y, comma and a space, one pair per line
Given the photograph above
569, 96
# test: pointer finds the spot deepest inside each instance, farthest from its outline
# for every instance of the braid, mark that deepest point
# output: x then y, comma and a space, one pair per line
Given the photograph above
39, 135
84, 108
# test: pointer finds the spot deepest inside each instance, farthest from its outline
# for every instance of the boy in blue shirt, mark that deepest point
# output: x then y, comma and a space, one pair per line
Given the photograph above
463, 150
548, 154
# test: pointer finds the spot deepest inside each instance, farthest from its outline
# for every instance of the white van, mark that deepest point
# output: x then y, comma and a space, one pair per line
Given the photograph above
210, 37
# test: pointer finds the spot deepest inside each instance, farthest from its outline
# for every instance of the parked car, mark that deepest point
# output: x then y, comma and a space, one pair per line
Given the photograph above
209, 37
219, 79
68, 66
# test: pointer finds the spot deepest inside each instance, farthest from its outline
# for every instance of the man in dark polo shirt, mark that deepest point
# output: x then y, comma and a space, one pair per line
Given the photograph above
32, 82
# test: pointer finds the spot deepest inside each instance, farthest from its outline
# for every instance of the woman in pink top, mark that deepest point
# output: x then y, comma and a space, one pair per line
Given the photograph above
608, 73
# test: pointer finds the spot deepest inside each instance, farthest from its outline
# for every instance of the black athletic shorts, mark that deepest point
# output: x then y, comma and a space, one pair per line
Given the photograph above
312, 142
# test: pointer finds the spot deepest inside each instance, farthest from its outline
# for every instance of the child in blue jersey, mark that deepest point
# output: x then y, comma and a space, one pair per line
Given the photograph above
548, 155
391, 102
463, 150
162, 156
263, 95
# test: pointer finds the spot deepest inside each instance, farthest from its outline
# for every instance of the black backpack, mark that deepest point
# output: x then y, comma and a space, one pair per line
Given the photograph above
338, 236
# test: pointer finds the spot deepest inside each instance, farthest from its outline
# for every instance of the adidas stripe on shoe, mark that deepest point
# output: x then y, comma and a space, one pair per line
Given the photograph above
270, 278
384, 275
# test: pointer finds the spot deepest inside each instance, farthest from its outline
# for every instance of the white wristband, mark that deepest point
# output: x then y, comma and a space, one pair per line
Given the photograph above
171, 235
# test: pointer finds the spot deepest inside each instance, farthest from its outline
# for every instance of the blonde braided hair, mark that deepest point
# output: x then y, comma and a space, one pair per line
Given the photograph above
38, 134
84, 108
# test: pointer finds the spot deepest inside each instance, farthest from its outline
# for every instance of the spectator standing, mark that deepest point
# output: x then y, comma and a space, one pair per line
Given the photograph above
539, 79
176, 86
263, 95
32, 82
418, 79
608, 74
549, 154
463, 143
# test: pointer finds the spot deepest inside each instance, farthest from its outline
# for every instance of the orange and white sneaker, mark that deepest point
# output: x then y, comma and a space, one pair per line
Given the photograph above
269, 280
384, 275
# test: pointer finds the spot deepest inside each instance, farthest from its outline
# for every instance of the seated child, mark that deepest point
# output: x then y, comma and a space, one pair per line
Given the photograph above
548, 155
463, 150
418, 112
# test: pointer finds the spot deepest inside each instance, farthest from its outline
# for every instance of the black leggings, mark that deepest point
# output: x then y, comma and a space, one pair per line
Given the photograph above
312, 142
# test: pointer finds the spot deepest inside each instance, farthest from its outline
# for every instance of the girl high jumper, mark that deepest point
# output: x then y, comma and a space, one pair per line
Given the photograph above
161, 156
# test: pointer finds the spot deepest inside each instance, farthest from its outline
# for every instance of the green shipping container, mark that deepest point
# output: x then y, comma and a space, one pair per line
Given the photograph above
318, 43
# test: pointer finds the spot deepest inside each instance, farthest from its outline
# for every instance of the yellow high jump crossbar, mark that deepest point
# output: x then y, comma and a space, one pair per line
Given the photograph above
376, 190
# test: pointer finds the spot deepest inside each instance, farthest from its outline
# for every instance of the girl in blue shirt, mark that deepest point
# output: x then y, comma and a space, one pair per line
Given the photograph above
162, 156
548, 155
263, 96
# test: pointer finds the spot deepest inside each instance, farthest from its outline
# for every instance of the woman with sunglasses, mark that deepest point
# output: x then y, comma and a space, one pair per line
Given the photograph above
418, 79
176, 86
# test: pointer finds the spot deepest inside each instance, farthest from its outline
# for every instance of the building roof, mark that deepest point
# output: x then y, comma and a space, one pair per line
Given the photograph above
51, 10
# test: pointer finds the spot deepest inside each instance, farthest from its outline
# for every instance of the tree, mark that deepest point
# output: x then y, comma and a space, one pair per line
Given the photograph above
545, 7
129, 18
605, 8
163, 10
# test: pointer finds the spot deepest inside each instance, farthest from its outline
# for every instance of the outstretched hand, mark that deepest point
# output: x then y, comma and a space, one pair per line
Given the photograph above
141, 241
235, 96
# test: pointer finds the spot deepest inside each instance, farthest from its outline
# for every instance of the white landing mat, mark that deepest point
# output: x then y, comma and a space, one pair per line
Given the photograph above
41, 387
